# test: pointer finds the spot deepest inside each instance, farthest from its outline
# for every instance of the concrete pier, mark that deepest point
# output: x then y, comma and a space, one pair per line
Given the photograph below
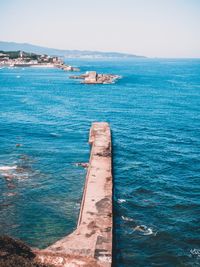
91, 243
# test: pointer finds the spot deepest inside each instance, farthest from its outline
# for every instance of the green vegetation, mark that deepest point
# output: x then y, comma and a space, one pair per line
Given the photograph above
16, 54
20, 58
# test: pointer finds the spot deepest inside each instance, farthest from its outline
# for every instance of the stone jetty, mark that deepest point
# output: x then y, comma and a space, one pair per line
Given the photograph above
92, 77
91, 243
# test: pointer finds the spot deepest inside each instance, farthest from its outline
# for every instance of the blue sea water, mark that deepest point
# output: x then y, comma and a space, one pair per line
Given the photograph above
154, 113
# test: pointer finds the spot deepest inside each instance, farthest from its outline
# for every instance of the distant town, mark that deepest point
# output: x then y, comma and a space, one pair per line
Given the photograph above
24, 59
14, 59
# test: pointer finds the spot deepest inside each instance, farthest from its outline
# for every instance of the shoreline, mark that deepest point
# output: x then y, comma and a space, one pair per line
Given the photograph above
40, 65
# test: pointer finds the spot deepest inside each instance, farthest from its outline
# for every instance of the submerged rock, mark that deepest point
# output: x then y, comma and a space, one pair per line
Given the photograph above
11, 186
18, 145
67, 67
82, 164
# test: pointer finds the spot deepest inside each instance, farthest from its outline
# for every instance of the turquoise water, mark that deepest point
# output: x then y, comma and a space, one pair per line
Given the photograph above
154, 113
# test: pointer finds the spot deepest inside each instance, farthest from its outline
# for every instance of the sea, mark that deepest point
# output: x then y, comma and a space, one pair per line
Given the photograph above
154, 115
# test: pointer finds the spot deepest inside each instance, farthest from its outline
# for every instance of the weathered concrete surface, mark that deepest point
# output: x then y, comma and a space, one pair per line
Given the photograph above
91, 243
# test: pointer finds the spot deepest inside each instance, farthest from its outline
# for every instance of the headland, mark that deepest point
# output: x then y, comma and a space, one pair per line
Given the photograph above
24, 59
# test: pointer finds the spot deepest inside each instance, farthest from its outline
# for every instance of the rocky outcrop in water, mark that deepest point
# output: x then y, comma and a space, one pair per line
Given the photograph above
67, 67
92, 77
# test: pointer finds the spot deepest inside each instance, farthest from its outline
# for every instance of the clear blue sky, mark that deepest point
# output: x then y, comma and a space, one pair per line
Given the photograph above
155, 28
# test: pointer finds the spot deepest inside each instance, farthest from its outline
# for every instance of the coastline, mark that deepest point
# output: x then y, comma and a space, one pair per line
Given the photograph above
40, 65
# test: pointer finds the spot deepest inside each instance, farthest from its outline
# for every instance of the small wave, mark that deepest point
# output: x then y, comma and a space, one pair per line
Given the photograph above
127, 219
10, 194
55, 134
121, 201
18, 76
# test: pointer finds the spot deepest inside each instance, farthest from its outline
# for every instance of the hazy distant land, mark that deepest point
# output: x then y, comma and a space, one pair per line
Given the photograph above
12, 46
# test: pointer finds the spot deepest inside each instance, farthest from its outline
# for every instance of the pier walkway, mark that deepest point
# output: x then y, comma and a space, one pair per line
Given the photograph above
91, 243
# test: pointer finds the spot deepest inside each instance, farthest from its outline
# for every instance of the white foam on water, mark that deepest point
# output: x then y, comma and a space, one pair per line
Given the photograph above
7, 168
127, 219
149, 231
144, 230
121, 200
13, 172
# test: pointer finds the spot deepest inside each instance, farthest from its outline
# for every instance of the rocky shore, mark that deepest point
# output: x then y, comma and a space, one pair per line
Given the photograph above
66, 67
15, 253
92, 77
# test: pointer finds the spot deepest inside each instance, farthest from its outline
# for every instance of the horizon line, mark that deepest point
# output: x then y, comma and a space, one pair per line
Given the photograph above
100, 51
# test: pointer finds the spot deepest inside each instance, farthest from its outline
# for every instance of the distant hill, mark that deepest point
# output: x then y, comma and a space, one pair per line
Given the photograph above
17, 54
11, 46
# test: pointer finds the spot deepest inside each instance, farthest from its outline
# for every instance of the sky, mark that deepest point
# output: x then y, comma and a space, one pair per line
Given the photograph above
152, 28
